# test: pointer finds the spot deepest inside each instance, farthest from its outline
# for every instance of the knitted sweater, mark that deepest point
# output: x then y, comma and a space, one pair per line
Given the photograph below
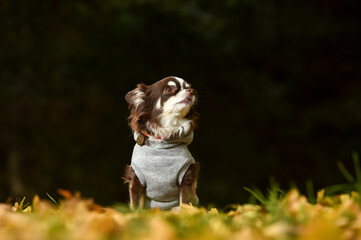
160, 166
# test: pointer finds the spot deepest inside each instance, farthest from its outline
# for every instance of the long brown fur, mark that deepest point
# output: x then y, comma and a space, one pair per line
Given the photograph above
189, 184
136, 189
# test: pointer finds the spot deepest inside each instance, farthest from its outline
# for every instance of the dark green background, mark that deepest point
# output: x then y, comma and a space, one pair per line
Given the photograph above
279, 87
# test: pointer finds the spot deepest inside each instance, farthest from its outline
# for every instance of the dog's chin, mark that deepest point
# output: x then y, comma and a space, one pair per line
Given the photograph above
182, 110
173, 124
185, 105
187, 101
179, 108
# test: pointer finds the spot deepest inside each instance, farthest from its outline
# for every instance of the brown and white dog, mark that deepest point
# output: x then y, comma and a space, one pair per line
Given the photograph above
162, 112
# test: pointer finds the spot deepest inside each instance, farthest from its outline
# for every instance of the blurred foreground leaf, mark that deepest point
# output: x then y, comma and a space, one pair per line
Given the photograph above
292, 216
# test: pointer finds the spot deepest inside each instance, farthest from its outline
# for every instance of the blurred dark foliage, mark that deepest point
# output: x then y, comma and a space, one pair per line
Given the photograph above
279, 85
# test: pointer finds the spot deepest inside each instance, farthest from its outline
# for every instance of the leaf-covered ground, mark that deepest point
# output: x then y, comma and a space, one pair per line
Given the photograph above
288, 217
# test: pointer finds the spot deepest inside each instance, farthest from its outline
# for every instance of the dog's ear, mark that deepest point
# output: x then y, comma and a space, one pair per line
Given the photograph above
137, 96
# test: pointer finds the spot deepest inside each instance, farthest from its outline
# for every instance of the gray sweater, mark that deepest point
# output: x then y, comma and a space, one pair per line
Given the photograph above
160, 166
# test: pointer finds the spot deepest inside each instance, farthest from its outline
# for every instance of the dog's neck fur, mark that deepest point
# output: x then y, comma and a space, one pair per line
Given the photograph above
171, 126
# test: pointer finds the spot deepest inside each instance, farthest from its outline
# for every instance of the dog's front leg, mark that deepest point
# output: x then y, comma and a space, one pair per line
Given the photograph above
136, 189
189, 185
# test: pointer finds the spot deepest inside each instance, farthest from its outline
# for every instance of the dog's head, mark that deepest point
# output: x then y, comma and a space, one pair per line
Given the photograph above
163, 110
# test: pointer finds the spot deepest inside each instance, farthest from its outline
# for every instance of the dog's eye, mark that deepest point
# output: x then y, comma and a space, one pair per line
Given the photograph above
168, 90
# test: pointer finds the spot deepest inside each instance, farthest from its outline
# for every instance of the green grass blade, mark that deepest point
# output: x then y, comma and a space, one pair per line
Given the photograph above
259, 196
345, 187
22, 202
310, 191
275, 188
345, 172
53, 200
356, 164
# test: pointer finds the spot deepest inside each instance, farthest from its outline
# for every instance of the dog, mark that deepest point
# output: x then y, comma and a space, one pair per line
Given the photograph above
163, 174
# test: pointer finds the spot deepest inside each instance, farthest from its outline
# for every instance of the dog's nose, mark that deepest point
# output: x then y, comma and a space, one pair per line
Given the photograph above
191, 91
